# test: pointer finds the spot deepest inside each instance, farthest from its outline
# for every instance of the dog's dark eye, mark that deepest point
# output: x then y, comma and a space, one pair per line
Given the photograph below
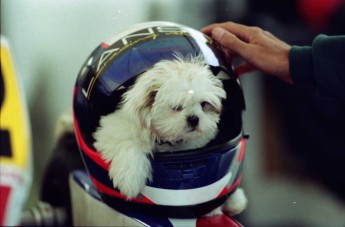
177, 108
203, 104
207, 106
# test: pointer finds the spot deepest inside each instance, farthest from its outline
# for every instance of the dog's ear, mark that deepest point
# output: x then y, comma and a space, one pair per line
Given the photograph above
149, 99
138, 100
144, 110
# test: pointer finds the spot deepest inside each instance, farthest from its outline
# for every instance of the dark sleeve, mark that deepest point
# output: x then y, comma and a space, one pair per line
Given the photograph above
321, 65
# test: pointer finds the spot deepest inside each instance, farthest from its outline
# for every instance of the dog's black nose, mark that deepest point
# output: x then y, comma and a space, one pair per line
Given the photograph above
193, 120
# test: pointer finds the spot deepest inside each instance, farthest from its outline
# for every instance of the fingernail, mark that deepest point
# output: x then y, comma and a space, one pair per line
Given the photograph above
217, 33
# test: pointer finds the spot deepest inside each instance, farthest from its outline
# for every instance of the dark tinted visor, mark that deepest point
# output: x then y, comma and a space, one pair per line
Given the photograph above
113, 70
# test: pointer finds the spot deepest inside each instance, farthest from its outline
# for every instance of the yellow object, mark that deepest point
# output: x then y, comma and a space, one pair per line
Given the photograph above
15, 143
13, 115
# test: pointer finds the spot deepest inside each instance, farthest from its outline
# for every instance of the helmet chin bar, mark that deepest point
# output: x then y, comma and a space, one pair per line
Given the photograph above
86, 200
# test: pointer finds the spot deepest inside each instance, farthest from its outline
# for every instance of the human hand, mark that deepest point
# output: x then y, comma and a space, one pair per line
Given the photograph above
260, 49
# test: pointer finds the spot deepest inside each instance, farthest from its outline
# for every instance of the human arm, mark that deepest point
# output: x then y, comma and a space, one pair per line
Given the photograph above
260, 49
321, 65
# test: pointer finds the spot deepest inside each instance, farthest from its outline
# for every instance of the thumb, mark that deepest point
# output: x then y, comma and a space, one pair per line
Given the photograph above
243, 69
229, 40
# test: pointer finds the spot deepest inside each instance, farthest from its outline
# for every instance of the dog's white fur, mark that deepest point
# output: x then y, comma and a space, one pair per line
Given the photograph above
175, 105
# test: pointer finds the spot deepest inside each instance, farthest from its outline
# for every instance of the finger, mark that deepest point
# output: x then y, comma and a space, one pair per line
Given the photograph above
229, 56
269, 34
208, 29
229, 41
228, 53
241, 31
244, 68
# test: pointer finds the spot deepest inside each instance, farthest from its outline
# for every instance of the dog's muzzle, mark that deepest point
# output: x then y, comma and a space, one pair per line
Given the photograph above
193, 121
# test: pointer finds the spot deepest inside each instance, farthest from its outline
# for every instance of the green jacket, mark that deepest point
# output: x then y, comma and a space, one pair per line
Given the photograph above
321, 65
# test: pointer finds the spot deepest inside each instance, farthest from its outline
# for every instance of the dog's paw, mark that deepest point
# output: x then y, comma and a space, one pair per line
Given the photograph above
127, 188
130, 174
236, 203
132, 185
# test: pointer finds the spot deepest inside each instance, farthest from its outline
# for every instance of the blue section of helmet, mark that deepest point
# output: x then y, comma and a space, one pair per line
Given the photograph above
187, 173
192, 172
142, 57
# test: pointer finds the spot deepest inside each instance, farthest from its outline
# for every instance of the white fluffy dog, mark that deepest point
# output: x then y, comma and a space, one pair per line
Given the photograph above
175, 105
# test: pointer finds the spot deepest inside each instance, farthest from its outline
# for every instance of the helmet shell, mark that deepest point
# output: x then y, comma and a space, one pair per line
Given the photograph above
185, 183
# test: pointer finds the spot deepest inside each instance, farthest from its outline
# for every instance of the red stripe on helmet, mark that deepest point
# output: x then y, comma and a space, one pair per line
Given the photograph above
95, 156
227, 190
242, 144
112, 192
104, 45
217, 221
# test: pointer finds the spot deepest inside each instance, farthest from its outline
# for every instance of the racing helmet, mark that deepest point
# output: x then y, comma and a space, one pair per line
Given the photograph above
185, 183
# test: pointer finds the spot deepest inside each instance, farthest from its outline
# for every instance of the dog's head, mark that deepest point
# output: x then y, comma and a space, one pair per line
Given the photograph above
177, 99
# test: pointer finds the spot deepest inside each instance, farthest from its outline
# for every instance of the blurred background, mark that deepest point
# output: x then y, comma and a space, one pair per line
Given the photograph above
292, 177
